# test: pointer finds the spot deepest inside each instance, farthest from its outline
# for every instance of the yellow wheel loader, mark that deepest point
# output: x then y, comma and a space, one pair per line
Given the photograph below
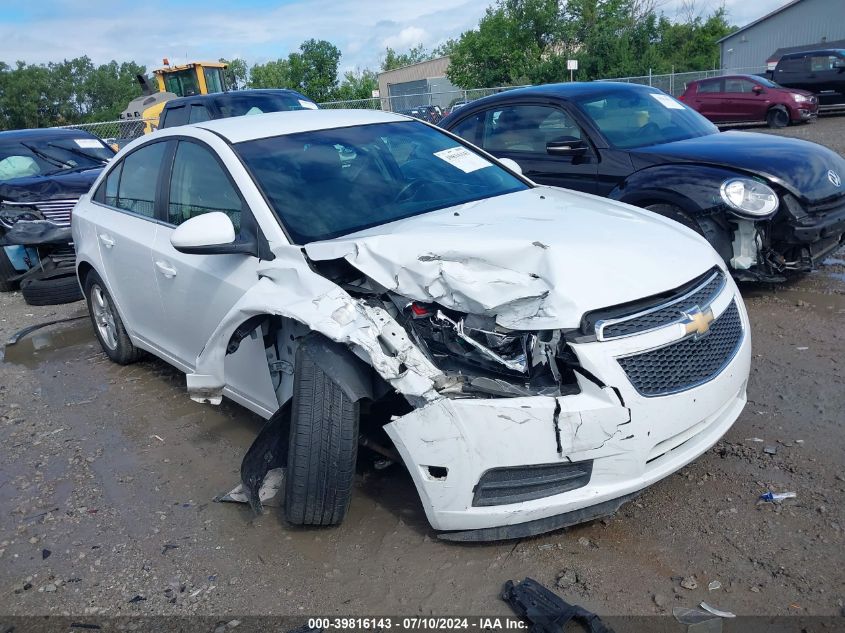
194, 78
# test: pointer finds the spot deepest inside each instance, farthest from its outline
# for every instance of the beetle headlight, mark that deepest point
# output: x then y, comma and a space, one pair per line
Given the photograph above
749, 197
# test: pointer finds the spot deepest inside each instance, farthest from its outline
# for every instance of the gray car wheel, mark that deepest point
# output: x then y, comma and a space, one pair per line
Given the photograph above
107, 323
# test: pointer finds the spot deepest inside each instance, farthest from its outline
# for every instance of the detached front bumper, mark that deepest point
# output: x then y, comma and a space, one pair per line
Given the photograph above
617, 439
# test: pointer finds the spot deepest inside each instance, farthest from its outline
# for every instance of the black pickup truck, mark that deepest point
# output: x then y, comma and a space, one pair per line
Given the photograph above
821, 72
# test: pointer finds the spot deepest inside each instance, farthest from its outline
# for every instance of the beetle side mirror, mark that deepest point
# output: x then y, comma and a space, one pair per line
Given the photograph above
574, 147
207, 234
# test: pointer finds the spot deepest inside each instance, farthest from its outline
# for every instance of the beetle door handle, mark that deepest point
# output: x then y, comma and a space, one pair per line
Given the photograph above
165, 269
107, 241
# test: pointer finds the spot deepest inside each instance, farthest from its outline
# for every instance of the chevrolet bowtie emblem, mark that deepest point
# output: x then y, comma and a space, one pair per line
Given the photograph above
698, 321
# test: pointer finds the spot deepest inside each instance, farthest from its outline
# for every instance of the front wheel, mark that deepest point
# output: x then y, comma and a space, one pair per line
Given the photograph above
323, 448
777, 118
107, 323
718, 237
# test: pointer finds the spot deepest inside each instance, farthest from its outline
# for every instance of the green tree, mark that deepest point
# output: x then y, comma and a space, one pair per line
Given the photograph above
392, 59
315, 68
357, 84
236, 73
273, 74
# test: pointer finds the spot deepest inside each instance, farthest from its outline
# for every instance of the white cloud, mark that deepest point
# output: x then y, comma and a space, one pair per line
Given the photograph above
406, 38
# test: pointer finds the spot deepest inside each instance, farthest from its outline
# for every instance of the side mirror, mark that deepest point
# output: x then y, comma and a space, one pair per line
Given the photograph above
757, 89
574, 147
839, 64
511, 164
206, 234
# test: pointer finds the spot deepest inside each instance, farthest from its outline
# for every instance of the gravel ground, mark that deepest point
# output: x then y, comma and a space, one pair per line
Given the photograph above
107, 477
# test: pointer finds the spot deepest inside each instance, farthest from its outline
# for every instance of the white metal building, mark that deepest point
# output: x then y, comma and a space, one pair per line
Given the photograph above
797, 23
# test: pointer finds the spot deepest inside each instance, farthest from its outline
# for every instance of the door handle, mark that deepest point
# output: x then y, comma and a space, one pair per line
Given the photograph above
107, 241
166, 270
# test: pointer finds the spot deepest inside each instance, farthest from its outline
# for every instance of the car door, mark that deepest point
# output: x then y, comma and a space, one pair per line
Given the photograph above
198, 290
793, 72
531, 133
709, 99
126, 230
743, 102
826, 78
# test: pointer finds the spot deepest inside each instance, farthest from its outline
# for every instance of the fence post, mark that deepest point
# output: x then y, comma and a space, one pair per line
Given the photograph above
649, 76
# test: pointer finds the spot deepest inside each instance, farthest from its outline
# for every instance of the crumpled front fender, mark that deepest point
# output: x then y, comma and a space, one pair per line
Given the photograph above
287, 287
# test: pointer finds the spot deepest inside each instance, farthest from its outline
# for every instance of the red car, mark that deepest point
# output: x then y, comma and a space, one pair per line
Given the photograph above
750, 98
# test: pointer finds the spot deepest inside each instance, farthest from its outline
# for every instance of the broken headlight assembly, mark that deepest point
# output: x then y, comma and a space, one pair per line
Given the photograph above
749, 198
488, 358
9, 216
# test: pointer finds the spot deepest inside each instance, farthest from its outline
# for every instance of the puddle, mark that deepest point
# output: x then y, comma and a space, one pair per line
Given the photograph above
41, 346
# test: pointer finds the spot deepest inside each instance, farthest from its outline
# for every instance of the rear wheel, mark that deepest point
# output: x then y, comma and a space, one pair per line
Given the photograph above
777, 118
323, 448
107, 323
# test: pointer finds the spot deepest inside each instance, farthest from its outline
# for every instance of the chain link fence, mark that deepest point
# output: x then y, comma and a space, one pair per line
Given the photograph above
407, 102
116, 132
675, 83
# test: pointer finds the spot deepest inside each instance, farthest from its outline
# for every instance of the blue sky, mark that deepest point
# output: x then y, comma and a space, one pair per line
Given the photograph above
257, 30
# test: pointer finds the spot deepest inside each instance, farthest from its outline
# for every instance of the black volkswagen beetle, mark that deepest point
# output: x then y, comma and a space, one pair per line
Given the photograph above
768, 204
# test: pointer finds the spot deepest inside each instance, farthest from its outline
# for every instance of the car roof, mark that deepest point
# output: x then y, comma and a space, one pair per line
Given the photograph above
569, 90
223, 96
248, 128
43, 133
818, 51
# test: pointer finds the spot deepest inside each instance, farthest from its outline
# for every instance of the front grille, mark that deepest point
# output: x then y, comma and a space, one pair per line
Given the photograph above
672, 311
689, 362
56, 211
500, 486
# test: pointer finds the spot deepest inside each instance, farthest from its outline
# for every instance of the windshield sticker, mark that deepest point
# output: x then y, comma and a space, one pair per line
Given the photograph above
88, 143
307, 105
463, 159
668, 101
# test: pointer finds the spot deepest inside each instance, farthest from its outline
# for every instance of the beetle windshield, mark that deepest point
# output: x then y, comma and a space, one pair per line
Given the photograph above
640, 119
326, 183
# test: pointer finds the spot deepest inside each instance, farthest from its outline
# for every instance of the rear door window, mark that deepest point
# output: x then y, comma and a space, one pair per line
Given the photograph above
199, 113
176, 116
136, 191
710, 86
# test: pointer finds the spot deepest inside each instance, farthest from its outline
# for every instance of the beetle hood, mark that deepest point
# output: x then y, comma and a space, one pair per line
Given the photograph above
799, 166
535, 259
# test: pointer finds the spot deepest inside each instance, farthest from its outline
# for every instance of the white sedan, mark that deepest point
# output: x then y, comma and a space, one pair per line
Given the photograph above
534, 355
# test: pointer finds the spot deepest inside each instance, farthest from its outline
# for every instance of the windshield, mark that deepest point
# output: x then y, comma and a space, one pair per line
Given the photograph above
183, 83
238, 104
639, 119
766, 82
327, 183
45, 156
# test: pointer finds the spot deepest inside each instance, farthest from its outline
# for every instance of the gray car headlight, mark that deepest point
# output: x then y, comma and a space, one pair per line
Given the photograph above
749, 197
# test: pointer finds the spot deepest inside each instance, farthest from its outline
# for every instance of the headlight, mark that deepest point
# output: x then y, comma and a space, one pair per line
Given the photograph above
801, 98
749, 197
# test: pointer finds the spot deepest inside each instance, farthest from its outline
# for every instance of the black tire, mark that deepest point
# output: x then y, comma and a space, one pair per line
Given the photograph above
323, 448
51, 289
777, 118
122, 352
6, 271
718, 237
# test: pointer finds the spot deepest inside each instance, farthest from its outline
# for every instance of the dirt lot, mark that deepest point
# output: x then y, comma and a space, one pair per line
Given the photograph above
107, 476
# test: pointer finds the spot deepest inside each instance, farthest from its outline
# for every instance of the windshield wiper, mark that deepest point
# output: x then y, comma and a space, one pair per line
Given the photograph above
79, 152
49, 158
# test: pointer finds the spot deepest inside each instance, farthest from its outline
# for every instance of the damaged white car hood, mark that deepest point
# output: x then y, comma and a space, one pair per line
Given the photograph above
535, 259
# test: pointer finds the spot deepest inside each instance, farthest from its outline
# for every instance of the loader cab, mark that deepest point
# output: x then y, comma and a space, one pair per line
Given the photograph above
197, 78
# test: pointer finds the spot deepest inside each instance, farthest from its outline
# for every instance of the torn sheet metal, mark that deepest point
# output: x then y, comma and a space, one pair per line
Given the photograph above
485, 258
35, 232
268, 493
289, 288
